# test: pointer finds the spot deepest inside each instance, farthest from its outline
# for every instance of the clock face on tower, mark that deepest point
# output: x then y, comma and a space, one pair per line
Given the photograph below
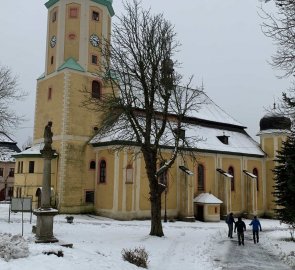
52, 41
94, 40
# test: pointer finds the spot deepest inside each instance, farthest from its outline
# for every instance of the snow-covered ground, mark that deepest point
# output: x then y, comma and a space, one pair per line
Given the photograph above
98, 242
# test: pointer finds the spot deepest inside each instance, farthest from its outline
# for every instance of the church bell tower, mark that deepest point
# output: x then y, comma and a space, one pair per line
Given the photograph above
75, 31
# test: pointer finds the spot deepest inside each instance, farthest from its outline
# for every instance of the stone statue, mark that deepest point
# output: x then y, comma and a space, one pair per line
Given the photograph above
48, 136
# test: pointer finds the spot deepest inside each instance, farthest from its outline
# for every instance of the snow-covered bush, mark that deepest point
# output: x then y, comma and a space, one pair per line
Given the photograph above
137, 256
13, 247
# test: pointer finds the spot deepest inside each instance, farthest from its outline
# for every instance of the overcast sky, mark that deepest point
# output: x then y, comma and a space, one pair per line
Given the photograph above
222, 46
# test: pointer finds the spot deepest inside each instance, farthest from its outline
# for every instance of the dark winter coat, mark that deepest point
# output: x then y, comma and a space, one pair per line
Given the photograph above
240, 226
230, 219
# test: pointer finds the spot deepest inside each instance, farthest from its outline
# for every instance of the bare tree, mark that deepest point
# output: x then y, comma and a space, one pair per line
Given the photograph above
147, 106
280, 27
9, 93
28, 143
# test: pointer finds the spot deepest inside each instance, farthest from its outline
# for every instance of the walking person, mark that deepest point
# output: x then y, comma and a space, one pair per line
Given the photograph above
255, 228
230, 223
240, 226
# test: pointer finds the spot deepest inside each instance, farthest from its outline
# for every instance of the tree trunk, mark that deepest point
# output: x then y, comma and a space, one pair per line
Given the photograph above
156, 223
150, 158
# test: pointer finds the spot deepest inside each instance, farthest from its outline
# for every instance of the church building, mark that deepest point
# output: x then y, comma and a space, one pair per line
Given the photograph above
233, 173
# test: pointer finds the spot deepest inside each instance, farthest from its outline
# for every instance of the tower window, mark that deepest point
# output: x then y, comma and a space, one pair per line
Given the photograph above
54, 16
1, 171
94, 59
52, 60
201, 177
232, 172
92, 165
102, 171
73, 13
96, 89
49, 93
95, 16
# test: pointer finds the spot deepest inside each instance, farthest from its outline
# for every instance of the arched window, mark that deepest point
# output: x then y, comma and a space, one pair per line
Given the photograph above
92, 165
96, 89
102, 171
232, 172
201, 177
255, 172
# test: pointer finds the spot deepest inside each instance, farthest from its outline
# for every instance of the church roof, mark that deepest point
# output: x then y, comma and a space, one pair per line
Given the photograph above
275, 121
107, 3
203, 129
210, 111
71, 64
42, 76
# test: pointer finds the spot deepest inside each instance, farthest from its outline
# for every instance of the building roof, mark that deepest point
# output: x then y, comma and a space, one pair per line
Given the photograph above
32, 151
107, 3
71, 63
203, 129
275, 120
8, 148
207, 198
210, 111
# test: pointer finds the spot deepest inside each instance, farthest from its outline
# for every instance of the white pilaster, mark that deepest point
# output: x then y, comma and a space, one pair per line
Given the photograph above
116, 181
124, 181
137, 182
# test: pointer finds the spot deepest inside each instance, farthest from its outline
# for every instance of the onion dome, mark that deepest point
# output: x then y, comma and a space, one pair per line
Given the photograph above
275, 121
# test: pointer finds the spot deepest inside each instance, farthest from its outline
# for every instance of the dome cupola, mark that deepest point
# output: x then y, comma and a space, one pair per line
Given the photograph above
275, 121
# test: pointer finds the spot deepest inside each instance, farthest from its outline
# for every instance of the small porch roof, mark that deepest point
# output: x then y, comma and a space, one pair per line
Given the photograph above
207, 198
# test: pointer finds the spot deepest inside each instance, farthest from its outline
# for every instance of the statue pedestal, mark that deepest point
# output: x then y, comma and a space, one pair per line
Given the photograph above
44, 228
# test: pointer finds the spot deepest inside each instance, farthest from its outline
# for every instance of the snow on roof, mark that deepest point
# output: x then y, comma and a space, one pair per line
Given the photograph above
202, 135
8, 148
274, 131
6, 154
211, 112
202, 138
5, 139
238, 142
207, 198
34, 150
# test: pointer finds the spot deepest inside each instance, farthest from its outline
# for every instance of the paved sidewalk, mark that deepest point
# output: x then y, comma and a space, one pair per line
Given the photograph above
249, 257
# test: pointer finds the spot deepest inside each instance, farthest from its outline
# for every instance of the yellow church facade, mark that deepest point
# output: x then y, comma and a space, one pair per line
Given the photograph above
91, 174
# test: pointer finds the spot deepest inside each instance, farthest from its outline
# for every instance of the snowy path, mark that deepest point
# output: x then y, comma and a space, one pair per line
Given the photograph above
251, 256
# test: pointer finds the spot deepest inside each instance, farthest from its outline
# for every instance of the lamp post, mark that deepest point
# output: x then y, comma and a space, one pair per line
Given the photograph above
165, 202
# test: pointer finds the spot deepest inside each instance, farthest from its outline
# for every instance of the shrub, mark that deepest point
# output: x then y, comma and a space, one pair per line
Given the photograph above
137, 256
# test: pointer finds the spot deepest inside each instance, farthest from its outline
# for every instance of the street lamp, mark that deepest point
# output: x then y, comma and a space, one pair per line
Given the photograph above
165, 203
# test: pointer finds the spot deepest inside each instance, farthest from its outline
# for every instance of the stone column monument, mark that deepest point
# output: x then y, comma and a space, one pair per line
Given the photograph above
45, 214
